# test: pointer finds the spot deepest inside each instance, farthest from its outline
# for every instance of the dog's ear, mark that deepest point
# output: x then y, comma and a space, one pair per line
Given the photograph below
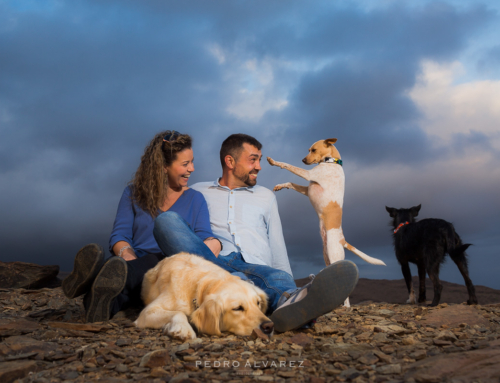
330, 141
263, 299
207, 317
415, 210
391, 211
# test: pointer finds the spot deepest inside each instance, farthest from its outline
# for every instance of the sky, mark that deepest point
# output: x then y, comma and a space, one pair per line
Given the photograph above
410, 89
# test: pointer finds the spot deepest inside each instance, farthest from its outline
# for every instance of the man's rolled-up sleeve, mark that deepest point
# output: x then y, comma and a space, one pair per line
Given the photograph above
276, 240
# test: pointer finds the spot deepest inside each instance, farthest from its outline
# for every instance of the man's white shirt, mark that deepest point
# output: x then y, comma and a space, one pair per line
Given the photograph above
246, 220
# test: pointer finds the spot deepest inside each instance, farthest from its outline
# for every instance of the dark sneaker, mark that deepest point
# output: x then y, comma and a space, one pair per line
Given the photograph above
328, 290
88, 262
107, 285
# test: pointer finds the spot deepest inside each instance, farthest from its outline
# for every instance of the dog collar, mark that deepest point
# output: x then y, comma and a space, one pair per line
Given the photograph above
400, 226
332, 160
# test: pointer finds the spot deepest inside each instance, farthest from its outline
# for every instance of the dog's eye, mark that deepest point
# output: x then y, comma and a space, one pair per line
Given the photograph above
313, 150
239, 308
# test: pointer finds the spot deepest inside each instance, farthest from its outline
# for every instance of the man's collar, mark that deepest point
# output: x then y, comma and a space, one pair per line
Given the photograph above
218, 185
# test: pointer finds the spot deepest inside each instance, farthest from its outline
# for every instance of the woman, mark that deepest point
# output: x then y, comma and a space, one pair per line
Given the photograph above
159, 186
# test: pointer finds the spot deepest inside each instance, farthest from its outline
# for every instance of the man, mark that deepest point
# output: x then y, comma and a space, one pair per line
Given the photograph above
244, 217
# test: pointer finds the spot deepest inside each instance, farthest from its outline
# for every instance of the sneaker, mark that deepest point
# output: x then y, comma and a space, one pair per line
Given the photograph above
326, 291
88, 262
107, 285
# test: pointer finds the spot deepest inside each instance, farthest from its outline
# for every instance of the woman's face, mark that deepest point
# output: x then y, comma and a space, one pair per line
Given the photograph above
179, 171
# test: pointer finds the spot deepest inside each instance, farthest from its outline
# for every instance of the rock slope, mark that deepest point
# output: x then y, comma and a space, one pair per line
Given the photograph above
45, 340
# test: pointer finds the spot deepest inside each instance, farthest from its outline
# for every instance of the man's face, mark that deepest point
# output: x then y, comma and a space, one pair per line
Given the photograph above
248, 165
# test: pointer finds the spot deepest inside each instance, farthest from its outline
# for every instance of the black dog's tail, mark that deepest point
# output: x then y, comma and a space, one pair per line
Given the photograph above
456, 248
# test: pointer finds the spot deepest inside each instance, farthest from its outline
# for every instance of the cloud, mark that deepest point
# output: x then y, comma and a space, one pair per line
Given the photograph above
455, 109
85, 85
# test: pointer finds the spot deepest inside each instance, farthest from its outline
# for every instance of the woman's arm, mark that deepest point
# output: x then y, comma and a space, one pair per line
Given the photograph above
124, 250
202, 227
120, 242
214, 245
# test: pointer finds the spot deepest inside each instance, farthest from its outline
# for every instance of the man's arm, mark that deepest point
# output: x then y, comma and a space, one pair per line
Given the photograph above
276, 240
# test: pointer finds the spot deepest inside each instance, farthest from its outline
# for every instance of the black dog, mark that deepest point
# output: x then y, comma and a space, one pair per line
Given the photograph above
425, 243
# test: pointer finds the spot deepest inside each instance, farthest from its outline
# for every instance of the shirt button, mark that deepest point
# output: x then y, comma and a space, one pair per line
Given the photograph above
238, 244
233, 233
230, 223
231, 207
231, 192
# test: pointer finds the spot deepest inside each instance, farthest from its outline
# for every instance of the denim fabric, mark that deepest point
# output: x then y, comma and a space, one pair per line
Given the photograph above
174, 235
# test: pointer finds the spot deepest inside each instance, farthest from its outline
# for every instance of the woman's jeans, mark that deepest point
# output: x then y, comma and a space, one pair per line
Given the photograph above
173, 235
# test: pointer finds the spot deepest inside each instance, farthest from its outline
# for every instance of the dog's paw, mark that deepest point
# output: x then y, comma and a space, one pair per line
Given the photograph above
411, 301
179, 331
281, 186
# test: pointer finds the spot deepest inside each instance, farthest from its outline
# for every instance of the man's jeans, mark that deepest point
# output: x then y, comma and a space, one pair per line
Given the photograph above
173, 235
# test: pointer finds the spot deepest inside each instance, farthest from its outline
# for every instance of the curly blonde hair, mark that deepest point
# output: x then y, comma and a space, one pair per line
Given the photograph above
149, 184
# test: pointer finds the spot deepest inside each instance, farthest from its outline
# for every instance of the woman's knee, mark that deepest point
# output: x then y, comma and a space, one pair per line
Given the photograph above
167, 218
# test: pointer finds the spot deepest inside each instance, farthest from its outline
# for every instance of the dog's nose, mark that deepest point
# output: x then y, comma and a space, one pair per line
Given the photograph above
304, 160
267, 327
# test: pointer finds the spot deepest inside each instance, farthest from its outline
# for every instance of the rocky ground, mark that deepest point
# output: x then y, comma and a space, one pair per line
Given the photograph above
44, 339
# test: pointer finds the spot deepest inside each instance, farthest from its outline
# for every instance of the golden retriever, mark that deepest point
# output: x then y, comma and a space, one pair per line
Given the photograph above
187, 286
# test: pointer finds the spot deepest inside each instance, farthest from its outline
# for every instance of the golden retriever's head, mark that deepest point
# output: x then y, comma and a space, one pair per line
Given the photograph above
321, 149
232, 305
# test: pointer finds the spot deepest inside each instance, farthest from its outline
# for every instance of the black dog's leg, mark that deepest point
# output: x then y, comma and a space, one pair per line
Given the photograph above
405, 268
434, 276
421, 277
462, 266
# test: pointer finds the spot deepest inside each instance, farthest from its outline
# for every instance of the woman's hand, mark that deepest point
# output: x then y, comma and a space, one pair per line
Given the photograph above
124, 250
214, 245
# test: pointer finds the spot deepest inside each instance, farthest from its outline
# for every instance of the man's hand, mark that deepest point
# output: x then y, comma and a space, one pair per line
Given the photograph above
214, 245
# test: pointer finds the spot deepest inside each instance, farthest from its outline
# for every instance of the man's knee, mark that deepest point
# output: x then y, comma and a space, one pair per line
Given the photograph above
280, 275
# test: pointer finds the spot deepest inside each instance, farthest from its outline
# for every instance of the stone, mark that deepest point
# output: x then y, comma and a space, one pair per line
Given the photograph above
10, 327
418, 355
122, 368
453, 316
24, 275
389, 369
300, 339
10, 371
24, 344
446, 335
158, 372
157, 358
408, 340
179, 378
368, 358
385, 313
78, 326
469, 366
257, 333
70, 375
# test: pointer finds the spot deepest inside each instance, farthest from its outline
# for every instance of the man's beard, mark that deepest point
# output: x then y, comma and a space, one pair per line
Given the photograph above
245, 178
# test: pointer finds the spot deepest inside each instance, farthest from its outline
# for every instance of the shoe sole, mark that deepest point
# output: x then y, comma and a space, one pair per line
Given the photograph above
107, 285
88, 262
329, 289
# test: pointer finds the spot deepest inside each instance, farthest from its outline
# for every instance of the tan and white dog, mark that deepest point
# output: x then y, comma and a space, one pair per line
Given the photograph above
186, 288
326, 193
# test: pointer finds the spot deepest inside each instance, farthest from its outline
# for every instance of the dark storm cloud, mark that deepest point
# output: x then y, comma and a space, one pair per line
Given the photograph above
85, 85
